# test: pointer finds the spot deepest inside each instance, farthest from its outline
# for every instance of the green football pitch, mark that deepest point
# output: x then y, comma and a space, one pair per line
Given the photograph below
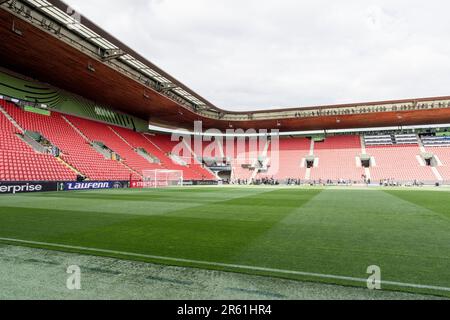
323, 235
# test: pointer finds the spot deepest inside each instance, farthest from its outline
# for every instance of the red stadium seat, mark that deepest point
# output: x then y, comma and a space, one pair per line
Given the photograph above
290, 155
399, 163
337, 159
19, 162
77, 151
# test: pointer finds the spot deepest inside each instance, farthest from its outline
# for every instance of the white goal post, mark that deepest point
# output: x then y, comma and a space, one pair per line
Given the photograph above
161, 178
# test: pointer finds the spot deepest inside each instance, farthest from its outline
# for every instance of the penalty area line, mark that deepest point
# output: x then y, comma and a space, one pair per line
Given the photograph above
223, 265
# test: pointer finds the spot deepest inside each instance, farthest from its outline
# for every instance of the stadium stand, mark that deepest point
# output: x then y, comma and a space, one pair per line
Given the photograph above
338, 159
159, 147
390, 139
240, 171
400, 163
212, 149
434, 141
76, 151
187, 161
378, 140
100, 132
19, 162
404, 139
291, 159
138, 140
244, 154
393, 156
443, 157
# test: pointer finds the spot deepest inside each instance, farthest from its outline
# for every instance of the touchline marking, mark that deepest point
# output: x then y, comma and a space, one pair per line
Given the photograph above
225, 265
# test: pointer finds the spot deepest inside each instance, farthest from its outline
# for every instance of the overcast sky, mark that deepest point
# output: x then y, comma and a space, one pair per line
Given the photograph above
257, 54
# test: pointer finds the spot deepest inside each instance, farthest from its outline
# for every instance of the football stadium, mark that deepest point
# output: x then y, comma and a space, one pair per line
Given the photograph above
111, 167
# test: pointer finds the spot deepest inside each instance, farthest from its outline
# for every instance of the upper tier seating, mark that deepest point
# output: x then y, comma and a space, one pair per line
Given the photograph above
436, 141
391, 139
399, 163
337, 159
75, 149
19, 162
401, 139
378, 140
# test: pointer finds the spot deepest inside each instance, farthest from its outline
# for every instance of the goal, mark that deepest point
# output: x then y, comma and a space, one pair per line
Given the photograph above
161, 178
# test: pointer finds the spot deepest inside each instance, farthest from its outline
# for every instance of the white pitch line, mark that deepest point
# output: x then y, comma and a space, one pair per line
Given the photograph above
225, 265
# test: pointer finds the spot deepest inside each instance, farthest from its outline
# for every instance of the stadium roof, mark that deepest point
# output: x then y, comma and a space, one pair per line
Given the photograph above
53, 43
87, 30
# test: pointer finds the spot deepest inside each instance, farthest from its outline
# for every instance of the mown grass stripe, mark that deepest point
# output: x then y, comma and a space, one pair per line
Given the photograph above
223, 265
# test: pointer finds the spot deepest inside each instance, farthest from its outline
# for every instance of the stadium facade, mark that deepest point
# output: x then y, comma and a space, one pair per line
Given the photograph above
76, 103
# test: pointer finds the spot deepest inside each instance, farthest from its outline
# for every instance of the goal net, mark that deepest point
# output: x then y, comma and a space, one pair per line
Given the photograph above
162, 178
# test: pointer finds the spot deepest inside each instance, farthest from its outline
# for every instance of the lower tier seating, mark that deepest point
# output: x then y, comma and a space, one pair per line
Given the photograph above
19, 162
287, 162
399, 163
341, 164
443, 154
30, 166
73, 136
193, 170
243, 154
337, 159
76, 151
100, 132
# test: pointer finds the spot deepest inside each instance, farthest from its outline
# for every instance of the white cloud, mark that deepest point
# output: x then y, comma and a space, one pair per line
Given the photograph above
284, 53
